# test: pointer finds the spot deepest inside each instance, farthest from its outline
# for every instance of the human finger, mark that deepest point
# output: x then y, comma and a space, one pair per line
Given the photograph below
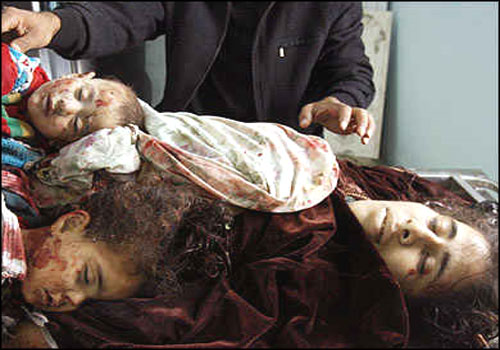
344, 114
370, 130
305, 116
9, 19
361, 117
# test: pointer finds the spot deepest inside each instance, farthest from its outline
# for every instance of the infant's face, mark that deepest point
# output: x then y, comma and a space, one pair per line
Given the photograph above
71, 107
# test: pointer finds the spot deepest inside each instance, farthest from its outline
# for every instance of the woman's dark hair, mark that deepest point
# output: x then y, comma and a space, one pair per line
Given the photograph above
468, 318
176, 236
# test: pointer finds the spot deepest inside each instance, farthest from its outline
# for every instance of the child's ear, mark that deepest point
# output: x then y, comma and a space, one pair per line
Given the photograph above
72, 222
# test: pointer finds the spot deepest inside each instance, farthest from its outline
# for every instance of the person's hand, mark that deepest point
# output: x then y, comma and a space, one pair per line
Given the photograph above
338, 118
35, 29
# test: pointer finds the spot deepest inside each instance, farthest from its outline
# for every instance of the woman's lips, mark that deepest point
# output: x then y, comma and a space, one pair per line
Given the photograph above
382, 227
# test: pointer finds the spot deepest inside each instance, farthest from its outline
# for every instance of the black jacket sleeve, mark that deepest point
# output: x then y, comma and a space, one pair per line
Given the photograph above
343, 69
94, 29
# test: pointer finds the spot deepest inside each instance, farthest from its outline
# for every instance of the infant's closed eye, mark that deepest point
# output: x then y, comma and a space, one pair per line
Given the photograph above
79, 94
76, 124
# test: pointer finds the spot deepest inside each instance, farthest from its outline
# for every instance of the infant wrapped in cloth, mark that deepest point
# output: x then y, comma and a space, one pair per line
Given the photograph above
260, 166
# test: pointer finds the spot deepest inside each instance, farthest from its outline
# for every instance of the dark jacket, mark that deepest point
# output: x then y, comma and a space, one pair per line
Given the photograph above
323, 51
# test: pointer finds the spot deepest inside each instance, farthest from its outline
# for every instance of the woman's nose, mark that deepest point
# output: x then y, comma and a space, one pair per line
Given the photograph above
413, 232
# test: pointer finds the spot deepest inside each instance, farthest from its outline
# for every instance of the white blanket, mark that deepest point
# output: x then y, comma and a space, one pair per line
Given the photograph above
260, 166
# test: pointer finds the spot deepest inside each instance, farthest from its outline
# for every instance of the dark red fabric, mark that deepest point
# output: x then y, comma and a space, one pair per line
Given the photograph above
390, 183
305, 279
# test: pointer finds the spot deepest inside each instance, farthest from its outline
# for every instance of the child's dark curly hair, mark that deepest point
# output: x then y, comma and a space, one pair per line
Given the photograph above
469, 318
177, 237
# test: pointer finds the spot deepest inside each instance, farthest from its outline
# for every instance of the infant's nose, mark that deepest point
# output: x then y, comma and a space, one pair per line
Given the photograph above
66, 104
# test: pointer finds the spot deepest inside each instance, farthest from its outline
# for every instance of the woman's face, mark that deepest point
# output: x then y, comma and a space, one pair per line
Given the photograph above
65, 268
425, 251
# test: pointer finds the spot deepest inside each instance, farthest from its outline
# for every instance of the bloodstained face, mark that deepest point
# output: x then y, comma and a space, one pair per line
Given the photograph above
71, 107
65, 268
425, 251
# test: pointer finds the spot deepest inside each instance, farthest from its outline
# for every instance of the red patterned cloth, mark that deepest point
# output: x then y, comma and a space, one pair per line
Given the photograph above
20, 75
13, 254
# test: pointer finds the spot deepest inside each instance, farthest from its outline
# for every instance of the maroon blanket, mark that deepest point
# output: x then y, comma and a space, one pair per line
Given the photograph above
307, 279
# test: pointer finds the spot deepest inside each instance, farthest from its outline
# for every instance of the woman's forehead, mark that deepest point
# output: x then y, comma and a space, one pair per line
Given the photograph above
476, 238
409, 207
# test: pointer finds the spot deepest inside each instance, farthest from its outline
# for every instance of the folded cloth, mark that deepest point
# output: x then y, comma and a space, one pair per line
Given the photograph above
260, 166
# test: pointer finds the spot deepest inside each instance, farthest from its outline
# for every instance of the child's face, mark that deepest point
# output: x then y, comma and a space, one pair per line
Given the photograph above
71, 107
65, 267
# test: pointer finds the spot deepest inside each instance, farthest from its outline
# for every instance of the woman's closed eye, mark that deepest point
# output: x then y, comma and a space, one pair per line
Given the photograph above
443, 226
427, 263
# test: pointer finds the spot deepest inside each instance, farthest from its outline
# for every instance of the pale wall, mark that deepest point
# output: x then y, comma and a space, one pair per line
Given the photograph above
442, 92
